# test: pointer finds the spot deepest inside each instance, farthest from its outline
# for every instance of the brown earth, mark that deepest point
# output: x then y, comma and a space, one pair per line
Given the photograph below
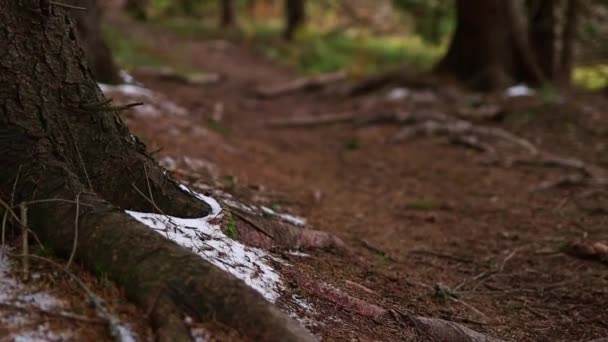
423, 217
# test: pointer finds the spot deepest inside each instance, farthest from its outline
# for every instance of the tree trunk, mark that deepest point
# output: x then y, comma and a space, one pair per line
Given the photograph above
295, 14
138, 9
542, 24
228, 14
569, 36
98, 55
62, 140
489, 48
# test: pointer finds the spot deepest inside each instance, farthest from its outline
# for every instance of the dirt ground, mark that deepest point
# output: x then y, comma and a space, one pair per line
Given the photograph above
424, 219
432, 228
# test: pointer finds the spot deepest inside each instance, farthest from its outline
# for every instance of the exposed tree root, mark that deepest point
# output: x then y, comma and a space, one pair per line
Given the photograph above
262, 232
431, 328
300, 84
440, 330
168, 280
463, 132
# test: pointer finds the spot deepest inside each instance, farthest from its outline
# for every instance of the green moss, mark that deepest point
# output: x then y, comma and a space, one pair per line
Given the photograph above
423, 205
231, 230
353, 144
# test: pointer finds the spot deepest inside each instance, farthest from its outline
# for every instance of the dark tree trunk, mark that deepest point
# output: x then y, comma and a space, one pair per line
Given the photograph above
570, 33
98, 55
490, 48
228, 14
295, 14
138, 9
542, 27
62, 140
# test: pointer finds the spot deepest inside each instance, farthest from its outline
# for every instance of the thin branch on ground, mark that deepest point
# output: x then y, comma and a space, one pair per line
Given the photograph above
376, 250
59, 314
75, 243
60, 4
24, 242
442, 255
236, 212
101, 309
310, 121
147, 199
304, 83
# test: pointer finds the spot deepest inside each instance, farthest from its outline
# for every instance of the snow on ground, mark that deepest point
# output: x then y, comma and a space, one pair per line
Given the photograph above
207, 240
18, 300
295, 220
20, 303
519, 90
155, 104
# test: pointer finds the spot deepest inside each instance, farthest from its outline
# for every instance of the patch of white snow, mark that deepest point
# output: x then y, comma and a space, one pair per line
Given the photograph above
295, 220
207, 240
398, 94
519, 90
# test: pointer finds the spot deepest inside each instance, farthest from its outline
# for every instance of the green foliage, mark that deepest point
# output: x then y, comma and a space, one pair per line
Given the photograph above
433, 20
361, 54
129, 52
231, 230
548, 93
591, 77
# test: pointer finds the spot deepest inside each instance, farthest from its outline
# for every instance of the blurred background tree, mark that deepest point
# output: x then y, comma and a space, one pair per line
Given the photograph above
551, 41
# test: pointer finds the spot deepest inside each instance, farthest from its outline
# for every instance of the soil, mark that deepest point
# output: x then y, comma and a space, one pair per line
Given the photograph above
419, 215
422, 218
415, 214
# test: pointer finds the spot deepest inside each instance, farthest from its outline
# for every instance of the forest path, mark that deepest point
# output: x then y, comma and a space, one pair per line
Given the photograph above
424, 216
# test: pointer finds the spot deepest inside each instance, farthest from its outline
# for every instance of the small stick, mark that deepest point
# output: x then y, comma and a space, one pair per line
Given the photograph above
75, 243
25, 245
67, 6
146, 197
252, 223
148, 183
101, 309
65, 315
4, 226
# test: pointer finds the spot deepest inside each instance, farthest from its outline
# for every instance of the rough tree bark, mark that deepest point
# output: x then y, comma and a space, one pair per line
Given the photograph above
98, 54
295, 14
62, 141
490, 47
227, 19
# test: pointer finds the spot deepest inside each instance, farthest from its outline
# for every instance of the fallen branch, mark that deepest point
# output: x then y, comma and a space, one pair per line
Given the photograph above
434, 328
309, 121
437, 329
58, 314
305, 83
238, 213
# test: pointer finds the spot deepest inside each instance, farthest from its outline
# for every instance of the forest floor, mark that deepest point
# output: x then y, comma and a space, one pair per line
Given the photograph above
433, 227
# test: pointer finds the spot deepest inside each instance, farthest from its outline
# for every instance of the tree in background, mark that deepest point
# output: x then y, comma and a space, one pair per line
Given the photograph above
227, 18
493, 47
295, 14
431, 18
138, 9
98, 55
